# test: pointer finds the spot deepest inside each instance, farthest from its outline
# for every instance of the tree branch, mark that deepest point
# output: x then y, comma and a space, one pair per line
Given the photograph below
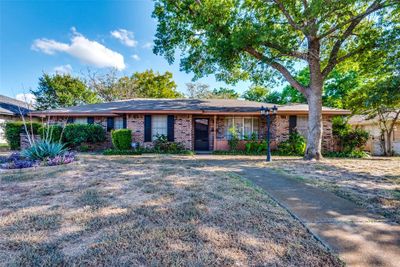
282, 50
287, 15
333, 60
372, 8
279, 67
332, 65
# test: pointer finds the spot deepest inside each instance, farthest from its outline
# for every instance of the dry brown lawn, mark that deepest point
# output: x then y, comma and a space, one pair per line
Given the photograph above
373, 183
146, 210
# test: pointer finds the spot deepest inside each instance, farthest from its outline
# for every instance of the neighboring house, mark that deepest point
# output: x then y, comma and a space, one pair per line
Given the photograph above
375, 141
199, 124
10, 110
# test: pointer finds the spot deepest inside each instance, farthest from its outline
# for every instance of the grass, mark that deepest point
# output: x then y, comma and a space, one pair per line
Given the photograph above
372, 182
146, 210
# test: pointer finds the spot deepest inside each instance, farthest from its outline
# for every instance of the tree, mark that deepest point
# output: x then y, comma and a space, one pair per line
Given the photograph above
152, 84
147, 84
198, 90
105, 85
382, 101
62, 90
256, 93
224, 93
255, 39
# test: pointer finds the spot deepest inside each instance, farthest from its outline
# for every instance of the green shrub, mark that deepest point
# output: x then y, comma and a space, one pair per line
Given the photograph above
76, 134
96, 133
162, 145
51, 133
233, 141
41, 150
121, 152
83, 148
122, 139
255, 146
238, 152
342, 154
13, 129
294, 146
350, 140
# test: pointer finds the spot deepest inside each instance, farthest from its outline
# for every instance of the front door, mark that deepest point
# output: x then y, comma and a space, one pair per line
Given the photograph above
201, 141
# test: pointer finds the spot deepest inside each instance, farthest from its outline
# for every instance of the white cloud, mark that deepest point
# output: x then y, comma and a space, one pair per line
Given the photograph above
30, 99
124, 36
63, 69
148, 45
135, 57
87, 51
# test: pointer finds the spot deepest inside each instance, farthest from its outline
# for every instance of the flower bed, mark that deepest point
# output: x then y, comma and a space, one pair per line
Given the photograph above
17, 161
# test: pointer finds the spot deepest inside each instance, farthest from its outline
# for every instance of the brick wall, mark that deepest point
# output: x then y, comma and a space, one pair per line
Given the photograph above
183, 130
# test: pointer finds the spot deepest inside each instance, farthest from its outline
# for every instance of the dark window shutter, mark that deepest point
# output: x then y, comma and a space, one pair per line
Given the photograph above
110, 123
292, 123
147, 128
70, 120
170, 128
90, 120
124, 122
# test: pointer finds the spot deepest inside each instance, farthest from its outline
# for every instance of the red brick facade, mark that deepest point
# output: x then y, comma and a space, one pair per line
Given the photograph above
184, 130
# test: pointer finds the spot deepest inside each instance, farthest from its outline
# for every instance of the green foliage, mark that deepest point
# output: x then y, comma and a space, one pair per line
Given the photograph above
62, 90
254, 145
13, 129
351, 140
162, 145
41, 150
224, 93
110, 152
95, 133
342, 154
147, 84
336, 92
122, 139
237, 152
257, 93
76, 134
51, 133
294, 146
233, 141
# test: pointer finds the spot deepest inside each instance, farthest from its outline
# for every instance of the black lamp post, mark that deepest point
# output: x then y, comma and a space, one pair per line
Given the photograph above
267, 112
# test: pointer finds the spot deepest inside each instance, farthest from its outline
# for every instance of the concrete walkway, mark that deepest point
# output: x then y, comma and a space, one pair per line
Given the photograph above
360, 238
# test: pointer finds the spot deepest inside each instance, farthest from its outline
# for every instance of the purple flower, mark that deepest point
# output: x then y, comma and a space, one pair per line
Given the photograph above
68, 157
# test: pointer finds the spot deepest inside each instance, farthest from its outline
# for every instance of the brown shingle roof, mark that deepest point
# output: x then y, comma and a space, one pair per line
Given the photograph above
182, 106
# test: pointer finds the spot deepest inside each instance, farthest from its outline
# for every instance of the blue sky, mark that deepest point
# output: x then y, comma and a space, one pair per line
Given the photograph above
70, 36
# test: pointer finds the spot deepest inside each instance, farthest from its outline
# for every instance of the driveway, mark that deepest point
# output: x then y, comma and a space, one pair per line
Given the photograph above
359, 237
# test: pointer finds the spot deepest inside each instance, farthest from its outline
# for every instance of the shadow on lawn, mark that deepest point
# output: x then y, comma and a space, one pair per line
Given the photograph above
181, 215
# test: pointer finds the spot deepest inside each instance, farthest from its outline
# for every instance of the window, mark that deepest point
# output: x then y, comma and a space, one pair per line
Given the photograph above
158, 126
80, 120
245, 126
118, 123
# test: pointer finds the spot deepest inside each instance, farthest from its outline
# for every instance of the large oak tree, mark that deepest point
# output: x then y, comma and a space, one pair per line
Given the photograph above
255, 39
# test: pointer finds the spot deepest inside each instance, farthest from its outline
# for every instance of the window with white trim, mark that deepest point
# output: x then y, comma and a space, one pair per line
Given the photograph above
118, 123
159, 126
80, 120
245, 127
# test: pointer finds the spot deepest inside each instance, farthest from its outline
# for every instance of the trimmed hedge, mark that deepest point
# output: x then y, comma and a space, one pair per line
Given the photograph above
76, 134
52, 133
13, 129
122, 139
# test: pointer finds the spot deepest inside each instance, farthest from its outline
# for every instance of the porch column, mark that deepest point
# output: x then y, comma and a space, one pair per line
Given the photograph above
215, 132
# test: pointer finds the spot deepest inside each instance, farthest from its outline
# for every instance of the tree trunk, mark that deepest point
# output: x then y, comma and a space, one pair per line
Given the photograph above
388, 144
314, 139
